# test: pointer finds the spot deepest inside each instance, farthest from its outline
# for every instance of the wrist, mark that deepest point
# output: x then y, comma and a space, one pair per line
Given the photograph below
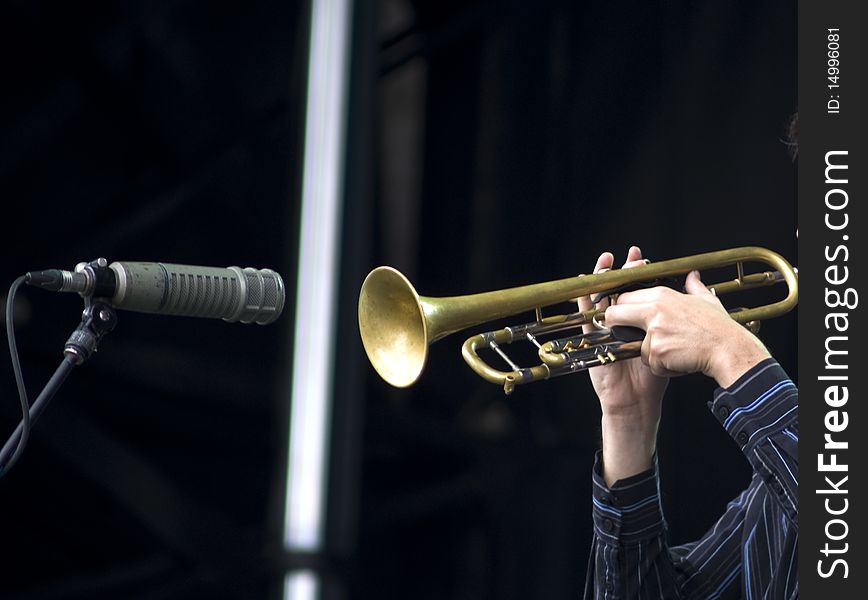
729, 362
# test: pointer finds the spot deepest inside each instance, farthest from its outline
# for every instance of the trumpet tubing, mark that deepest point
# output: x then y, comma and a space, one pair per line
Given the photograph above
397, 325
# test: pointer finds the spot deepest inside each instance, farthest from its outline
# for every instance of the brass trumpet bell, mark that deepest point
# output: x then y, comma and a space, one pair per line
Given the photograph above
393, 326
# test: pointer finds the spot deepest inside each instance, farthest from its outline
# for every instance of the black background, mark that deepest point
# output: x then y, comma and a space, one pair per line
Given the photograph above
489, 145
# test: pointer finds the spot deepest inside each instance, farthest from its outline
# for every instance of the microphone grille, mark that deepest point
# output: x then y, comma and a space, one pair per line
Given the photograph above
265, 296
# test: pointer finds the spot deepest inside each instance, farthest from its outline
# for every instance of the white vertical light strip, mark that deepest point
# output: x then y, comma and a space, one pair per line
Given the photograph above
301, 585
314, 333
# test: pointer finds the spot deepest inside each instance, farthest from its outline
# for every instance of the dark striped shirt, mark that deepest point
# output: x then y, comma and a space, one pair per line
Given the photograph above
750, 552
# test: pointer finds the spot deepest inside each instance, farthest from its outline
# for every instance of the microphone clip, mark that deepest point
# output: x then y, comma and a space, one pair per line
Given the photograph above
98, 317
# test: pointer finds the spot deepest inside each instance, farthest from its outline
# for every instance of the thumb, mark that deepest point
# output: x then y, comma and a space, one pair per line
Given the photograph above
693, 285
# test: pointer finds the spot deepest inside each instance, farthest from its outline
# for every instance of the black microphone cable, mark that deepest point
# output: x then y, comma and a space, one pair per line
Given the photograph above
19, 379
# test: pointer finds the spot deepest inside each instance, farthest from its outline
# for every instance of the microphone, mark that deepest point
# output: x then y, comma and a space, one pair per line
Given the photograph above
232, 294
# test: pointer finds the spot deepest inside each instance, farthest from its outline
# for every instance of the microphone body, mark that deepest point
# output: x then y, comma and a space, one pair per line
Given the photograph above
232, 294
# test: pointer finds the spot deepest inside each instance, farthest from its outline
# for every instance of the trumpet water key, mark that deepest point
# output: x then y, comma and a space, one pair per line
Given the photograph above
397, 324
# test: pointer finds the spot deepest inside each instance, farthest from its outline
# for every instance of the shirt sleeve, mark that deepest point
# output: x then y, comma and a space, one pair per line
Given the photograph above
760, 412
630, 556
630, 553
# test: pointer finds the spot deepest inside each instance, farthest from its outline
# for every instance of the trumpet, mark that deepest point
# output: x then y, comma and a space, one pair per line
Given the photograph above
397, 325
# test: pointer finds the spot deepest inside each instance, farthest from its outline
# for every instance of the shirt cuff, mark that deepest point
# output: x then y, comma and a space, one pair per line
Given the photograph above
629, 511
762, 402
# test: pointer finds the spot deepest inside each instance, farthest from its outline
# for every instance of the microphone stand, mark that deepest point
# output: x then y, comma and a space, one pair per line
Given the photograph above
97, 319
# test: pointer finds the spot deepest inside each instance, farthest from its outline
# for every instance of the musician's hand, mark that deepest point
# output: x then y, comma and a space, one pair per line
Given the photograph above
630, 397
688, 333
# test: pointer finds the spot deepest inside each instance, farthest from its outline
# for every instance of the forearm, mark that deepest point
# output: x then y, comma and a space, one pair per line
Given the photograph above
629, 442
